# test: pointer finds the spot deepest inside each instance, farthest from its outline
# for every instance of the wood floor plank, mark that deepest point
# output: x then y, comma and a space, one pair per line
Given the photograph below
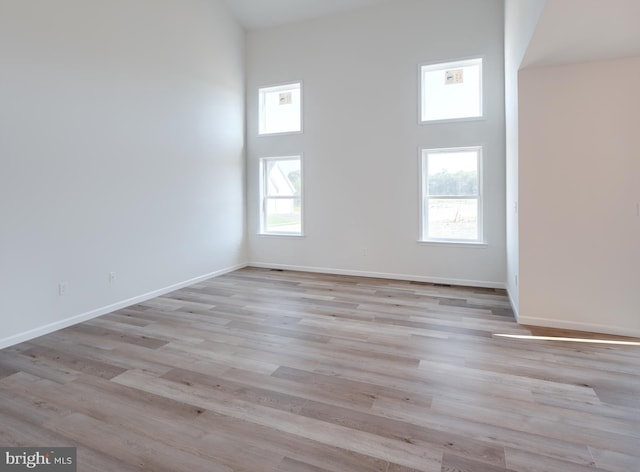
80, 364
292, 465
17, 433
401, 452
293, 446
335, 394
42, 368
6, 370
138, 450
498, 435
527, 462
454, 463
405, 432
615, 461
257, 395
87, 347
371, 390
593, 436
266, 370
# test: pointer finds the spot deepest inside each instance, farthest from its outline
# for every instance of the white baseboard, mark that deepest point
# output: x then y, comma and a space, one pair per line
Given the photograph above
514, 306
578, 326
57, 325
381, 275
523, 320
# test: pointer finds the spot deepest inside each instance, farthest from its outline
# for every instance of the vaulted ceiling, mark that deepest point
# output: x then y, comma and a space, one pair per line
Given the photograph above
256, 14
571, 31
568, 31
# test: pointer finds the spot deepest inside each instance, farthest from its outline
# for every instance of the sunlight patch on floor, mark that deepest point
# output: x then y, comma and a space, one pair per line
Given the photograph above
574, 340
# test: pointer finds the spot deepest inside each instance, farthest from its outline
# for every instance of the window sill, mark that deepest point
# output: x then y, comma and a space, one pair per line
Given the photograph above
475, 244
452, 120
279, 133
281, 235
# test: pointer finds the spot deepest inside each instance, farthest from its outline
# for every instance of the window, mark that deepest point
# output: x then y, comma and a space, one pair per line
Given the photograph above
281, 195
280, 109
452, 194
451, 90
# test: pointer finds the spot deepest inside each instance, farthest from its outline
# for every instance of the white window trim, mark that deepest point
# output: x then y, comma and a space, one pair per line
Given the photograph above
262, 197
422, 236
283, 86
453, 243
459, 61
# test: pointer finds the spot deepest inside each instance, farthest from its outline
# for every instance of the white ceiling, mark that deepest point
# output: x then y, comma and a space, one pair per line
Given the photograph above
571, 31
568, 31
256, 14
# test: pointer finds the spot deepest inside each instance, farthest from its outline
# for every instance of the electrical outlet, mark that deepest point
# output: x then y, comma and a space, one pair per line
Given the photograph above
62, 288
112, 277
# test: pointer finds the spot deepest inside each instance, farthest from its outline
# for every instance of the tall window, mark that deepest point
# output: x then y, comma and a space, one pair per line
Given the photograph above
281, 195
452, 194
451, 90
280, 109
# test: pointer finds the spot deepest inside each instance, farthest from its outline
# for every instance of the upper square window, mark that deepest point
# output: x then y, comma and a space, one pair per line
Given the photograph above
451, 90
280, 109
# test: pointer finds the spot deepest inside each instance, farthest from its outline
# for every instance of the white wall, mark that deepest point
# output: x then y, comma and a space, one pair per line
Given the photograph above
361, 137
521, 18
121, 144
579, 196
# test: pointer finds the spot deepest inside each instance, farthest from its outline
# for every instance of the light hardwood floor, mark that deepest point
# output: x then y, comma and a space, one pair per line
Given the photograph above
263, 370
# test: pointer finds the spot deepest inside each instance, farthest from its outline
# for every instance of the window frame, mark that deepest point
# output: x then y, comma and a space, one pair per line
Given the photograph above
264, 198
424, 197
456, 63
283, 86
